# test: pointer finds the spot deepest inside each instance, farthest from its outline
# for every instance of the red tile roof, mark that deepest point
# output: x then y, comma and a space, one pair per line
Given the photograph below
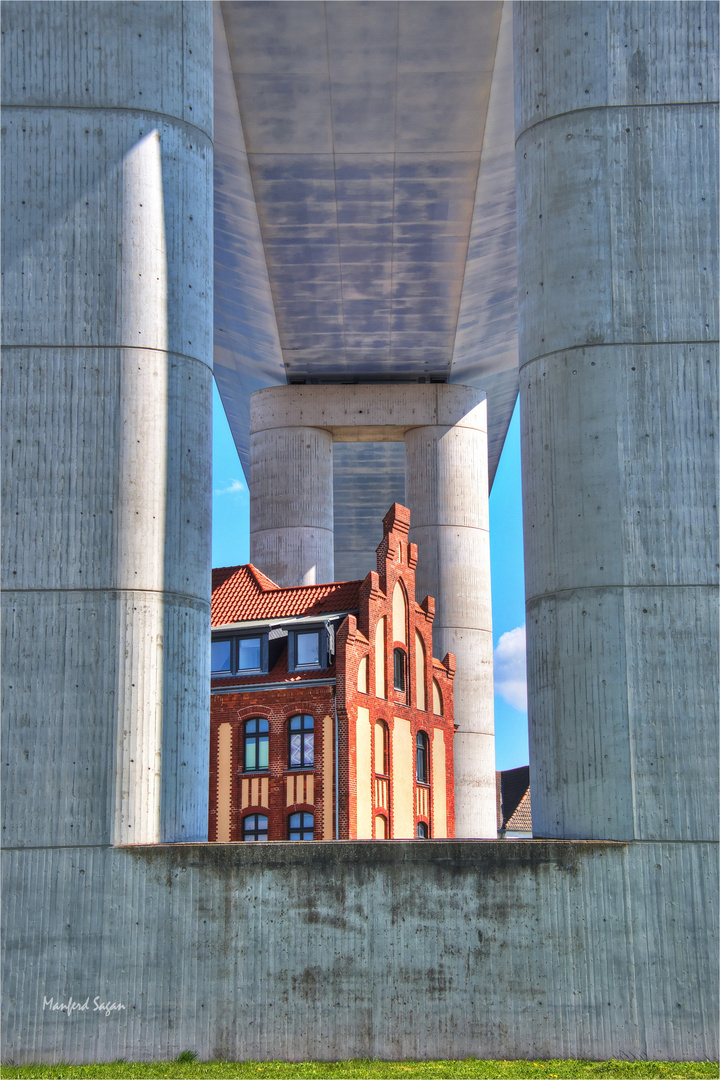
521, 821
243, 593
513, 799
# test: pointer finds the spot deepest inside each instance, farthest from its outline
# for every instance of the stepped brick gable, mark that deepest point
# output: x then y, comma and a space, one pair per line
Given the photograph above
330, 718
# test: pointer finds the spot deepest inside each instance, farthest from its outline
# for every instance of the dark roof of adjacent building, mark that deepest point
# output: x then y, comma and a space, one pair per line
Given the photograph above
514, 812
244, 594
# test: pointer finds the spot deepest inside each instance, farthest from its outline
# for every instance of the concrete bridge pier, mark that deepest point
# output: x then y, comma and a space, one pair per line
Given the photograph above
291, 504
447, 493
444, 429
107, 342
617, 224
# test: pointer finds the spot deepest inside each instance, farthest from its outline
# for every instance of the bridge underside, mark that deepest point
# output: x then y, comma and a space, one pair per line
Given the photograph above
364, 215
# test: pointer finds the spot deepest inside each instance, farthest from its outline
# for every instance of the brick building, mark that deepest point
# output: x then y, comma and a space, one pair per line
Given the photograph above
330, 718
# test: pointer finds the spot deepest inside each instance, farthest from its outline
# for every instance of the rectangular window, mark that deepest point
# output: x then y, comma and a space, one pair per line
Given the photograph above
249, 654
307, 649
220, 655
239, 655
399, 669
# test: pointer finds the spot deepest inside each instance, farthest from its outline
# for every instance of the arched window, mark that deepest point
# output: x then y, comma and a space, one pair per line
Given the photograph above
301, 827
422, 762
381, 829
422, 832
399, 669
437, 699
256, 745
302, 742
382, 748
255, 827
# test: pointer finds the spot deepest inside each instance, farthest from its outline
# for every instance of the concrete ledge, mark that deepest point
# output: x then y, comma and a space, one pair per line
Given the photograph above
380, 412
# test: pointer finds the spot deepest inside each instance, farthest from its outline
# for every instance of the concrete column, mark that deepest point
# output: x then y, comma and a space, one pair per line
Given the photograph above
107, 341
291, 503
447, 493
616, 129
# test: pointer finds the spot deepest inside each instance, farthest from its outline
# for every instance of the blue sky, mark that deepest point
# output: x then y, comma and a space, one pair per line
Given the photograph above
231, 546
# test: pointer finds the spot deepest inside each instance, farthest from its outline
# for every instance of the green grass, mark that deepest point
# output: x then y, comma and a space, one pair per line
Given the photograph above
185, 1067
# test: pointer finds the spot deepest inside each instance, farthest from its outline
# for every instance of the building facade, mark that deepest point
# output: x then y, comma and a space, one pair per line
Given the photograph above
330, 718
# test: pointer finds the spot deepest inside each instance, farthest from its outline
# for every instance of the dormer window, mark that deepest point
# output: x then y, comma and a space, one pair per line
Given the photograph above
249, 654
221, 657
307, 649
244, 654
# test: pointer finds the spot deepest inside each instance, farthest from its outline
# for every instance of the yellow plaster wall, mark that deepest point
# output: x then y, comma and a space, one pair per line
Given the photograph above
363, 777
437, 699
403, 823
439, 787
224, 782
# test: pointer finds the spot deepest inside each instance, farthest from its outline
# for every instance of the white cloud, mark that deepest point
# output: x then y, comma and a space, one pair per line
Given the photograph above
510, 673
233, 488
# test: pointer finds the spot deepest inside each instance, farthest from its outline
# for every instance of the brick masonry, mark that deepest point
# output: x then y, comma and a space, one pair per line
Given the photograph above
363, 795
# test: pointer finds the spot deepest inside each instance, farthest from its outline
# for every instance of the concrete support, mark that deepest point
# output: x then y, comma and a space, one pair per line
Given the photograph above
107, 342
444, 429
291, 504
616, 120
446, 484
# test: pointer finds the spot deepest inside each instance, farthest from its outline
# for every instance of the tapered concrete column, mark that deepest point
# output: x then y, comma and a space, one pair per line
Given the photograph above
617, 233
447, 493
107, 341
291, 504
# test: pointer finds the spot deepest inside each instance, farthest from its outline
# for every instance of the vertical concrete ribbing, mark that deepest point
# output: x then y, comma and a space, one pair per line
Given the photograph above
616, 123
291, 504
446, 484
107, 338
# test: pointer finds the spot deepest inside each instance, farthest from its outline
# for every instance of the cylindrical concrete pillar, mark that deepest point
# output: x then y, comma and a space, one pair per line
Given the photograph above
447, 493
617, 232
291, 504
107, 341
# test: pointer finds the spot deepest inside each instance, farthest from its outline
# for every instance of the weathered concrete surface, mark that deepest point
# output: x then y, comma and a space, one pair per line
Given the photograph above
331, 950
616, 123
444, 429
367, 413
107, 347
291, 504
446, 489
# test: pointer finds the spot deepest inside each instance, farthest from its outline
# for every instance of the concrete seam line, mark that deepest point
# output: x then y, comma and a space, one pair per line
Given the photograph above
435, 525
109, 589
615, 108
57, 847
614, 345
603, 585
109, 348
176, 120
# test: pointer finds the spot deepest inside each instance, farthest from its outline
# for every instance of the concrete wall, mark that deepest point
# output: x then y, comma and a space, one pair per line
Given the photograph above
333, 950
107, 347
616, 119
